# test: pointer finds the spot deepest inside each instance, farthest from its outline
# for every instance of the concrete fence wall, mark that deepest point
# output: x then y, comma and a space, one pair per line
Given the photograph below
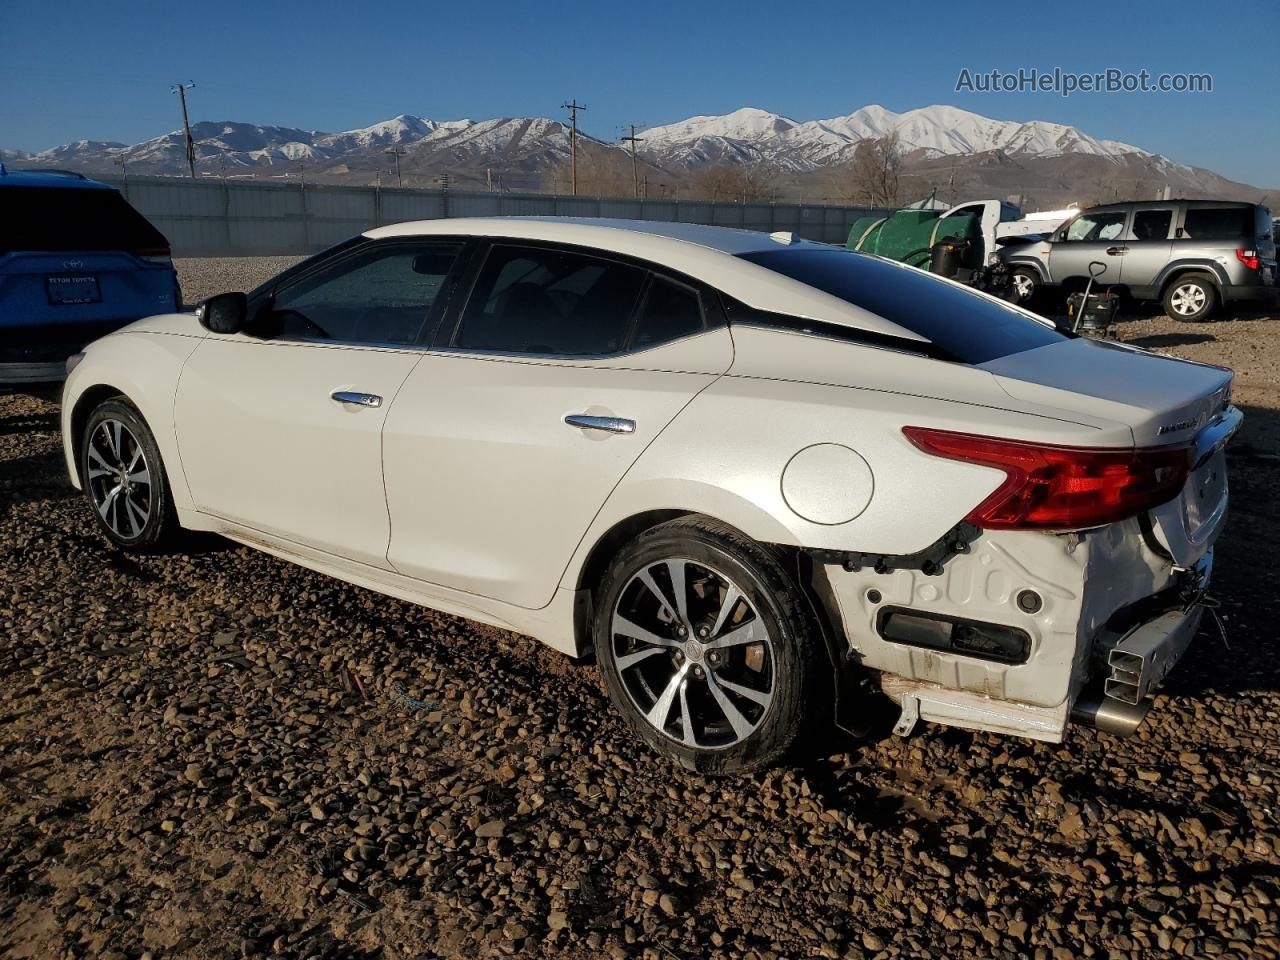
240, 218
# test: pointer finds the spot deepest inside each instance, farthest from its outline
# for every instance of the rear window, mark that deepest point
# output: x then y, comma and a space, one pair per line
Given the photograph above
78, 219
1218, 223
962, 324
1262, 222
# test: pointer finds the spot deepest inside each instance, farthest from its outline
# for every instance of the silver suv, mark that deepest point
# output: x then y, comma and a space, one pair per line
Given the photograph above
1191, 255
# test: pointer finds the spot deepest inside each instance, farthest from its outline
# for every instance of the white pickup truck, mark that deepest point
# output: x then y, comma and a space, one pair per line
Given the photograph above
1000, 219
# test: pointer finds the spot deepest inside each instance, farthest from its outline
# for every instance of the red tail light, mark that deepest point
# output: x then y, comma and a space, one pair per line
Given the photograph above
154, 254
1051, 487
1248, 257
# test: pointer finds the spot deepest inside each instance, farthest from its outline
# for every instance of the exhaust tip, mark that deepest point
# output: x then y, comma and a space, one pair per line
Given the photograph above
1110, 715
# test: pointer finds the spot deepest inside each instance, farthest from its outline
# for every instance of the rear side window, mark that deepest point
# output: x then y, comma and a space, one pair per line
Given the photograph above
546, 301
73, 219
1152, 224
670, 311
964, 325
1218, 223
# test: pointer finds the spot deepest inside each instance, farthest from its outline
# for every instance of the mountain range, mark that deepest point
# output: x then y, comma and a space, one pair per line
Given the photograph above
941, 146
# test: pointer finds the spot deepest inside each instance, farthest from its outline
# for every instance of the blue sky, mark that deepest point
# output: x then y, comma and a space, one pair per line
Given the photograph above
72, 69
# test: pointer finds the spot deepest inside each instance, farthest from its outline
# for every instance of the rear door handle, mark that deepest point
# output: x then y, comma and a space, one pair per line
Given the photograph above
1116, 251
608, 424
356, 399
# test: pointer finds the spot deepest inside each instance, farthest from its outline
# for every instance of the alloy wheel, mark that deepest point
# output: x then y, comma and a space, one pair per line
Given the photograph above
119, 479
1188, 299
695, 657
1023, 287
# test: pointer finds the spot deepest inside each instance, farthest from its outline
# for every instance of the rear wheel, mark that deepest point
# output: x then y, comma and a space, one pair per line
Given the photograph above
124, 479
706, 646
1190, 298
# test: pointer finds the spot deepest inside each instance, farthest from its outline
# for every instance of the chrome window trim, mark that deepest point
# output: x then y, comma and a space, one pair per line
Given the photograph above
451, 350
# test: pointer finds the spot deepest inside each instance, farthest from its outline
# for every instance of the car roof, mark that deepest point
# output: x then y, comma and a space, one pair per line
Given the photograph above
588, 231
708, 254
55, 179
1129, 204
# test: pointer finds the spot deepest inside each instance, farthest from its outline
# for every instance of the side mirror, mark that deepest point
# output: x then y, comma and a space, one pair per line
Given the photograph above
224, 313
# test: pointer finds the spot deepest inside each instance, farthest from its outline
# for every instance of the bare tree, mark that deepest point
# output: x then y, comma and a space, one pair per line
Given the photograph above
874, 175
602, 172
735, 183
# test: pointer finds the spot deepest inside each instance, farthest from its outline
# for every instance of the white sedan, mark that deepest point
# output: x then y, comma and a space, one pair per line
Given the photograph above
748, 472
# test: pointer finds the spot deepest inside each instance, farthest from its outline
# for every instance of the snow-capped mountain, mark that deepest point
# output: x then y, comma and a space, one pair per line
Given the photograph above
1009, 157
757, 135
386, 134
230, 144
748, 134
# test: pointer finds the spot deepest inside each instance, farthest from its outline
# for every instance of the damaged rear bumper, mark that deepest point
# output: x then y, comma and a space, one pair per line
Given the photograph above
1106, 619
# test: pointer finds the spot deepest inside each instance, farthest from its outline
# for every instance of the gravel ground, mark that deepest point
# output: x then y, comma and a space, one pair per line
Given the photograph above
204, 276
213, 753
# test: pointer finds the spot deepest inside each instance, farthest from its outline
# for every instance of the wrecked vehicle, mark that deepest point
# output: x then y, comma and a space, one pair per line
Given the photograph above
750, 473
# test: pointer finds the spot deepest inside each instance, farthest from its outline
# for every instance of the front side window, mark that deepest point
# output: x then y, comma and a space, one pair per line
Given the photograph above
546, 301
1152, 224
378, 296
1096, 226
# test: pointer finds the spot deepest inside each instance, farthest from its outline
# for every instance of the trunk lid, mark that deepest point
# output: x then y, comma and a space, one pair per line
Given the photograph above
1162, 400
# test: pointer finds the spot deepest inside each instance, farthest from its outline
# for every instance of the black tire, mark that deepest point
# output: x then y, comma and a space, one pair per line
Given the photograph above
712, 558
117, 450
1191, 298
1024, 287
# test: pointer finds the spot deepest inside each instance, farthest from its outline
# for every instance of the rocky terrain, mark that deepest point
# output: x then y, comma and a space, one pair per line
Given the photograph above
212, 754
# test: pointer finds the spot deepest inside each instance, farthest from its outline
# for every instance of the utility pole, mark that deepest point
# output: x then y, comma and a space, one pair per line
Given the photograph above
635, 170
181, 89
573, 106
397, 152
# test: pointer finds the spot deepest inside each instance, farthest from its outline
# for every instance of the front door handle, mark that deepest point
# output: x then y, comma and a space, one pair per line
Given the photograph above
356, 399
1116, 251
608, 424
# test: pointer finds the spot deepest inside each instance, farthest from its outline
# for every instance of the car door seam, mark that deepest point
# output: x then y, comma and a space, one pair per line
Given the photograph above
382, 460
608, 496
173, 420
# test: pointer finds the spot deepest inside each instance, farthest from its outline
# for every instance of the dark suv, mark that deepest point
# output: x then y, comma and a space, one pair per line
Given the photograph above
76, 263
1191, 255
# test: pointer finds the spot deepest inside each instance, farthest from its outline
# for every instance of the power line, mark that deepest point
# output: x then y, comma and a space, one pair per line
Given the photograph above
573, 106
635, 170
181, 89
397, 152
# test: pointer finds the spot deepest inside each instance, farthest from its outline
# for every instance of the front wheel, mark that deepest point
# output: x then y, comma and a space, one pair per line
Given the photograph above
706, 646
1024, 286
124, 479
1190, 298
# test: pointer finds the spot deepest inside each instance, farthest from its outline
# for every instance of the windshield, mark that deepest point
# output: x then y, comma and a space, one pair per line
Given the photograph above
963, 324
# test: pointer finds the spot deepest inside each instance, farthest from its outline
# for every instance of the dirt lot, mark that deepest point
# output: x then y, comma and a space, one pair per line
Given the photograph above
215, 754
